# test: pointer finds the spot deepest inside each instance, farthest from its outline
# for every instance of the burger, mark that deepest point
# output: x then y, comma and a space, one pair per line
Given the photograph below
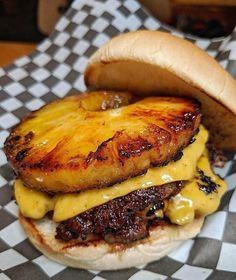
122, 174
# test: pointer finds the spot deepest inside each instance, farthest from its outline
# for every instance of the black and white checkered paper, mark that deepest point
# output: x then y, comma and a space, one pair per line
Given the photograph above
54, 70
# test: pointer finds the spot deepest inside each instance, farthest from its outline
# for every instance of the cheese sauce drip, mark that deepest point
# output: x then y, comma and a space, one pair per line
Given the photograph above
193, 202
33, 204
181, 209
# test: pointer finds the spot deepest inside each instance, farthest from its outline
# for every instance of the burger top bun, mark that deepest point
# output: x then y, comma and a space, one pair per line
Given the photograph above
157, 63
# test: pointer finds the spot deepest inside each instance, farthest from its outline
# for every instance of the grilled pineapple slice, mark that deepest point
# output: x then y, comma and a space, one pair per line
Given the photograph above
97, 139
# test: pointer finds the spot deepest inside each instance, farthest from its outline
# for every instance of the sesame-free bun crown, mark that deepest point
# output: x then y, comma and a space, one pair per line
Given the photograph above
158, 63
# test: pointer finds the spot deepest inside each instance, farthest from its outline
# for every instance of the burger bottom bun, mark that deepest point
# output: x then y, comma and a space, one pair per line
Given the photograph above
99, 255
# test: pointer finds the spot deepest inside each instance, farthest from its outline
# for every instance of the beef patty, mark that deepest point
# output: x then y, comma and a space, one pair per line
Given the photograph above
124, 219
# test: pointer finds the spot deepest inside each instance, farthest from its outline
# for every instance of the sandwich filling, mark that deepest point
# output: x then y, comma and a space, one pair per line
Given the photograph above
107, 166
176, 193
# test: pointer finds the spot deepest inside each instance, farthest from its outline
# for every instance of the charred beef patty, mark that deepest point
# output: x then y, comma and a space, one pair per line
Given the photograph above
124, 219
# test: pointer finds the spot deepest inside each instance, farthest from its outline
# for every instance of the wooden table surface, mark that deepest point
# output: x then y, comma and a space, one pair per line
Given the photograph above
9, 51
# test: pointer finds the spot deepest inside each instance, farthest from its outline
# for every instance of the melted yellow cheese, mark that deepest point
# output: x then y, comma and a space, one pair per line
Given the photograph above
35, 204
191, 201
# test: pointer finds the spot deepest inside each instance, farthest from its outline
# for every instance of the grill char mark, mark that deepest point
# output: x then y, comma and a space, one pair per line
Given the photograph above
127, 154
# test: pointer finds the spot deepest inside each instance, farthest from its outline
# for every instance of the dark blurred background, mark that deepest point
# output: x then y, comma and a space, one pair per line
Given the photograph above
31, 20
24, 23
203, 18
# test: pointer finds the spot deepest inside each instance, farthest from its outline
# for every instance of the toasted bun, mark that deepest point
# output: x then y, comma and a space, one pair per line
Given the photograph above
157, 63
102, 256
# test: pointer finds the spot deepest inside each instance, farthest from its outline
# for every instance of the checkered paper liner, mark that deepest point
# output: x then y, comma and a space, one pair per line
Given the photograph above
54, 70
